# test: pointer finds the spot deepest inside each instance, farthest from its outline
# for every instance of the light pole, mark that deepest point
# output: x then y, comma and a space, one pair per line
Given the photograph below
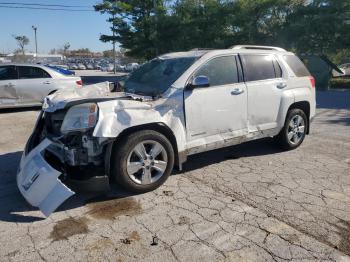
156, 26
114, 55
36, 42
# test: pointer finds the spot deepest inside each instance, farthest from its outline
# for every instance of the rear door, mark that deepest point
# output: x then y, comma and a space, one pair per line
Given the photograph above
33, 85
8, 81
219, 110
265, 84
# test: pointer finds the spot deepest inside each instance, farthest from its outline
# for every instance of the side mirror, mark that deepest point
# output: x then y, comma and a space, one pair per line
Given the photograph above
199, 81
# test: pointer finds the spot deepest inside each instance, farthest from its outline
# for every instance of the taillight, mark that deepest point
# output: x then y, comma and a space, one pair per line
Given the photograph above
312, 80
79, 82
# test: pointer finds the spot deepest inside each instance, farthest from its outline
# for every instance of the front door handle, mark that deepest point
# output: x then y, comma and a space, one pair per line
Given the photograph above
281, 85
47, 82
237, 91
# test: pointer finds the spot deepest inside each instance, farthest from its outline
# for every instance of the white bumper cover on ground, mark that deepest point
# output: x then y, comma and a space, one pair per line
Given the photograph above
38, 181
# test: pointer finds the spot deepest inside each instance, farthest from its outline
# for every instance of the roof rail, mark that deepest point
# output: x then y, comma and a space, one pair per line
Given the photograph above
259, 47
201, 49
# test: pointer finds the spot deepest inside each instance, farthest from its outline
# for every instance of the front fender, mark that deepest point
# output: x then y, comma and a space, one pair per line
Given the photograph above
118, 115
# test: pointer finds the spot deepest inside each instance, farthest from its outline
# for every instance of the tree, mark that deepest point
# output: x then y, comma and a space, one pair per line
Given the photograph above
134, 24
22, 41
321, 26
66, 46
146, 28
111, 7
53, 51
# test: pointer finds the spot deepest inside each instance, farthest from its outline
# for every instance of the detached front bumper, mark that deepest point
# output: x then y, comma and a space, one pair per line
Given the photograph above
38, 181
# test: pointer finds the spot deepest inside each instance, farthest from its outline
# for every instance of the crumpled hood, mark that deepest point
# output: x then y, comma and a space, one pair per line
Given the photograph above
62, 97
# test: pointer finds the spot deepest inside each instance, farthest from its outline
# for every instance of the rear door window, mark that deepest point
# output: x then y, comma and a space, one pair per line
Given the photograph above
31, 72
8, 73
260, 67
296, 65
220, 71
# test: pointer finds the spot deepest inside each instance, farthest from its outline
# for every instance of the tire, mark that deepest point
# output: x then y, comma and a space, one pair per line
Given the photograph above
140, 175
293, 133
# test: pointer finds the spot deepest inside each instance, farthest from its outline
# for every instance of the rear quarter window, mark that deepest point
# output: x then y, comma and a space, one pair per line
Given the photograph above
296, 65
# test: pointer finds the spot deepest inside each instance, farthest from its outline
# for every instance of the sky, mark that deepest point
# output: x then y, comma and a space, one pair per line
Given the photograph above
80, 29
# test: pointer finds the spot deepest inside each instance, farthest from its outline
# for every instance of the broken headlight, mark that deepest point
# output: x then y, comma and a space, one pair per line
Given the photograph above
80, 118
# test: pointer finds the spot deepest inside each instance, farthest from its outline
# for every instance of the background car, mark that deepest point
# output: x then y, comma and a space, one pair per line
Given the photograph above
89, 66
131, 67
345, 68
81, 67
61, 69
28, 85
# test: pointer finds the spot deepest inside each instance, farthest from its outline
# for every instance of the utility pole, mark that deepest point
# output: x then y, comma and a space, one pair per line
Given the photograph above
114, 55
36, 42
156, 26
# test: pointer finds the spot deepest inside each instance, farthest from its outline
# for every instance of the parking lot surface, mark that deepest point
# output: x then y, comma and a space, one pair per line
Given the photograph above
250, 202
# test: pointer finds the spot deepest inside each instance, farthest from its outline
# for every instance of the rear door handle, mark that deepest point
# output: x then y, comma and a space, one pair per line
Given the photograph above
281, 85
237, 91
47, 82
10, 85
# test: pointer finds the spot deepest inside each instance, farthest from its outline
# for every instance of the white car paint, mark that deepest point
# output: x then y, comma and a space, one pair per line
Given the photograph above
38, 181
201, 119
32, 91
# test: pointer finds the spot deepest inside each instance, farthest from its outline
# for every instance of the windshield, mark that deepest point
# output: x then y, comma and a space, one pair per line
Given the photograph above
156, 76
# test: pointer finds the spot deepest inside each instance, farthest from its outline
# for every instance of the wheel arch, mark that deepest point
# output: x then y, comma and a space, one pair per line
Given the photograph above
305, 106
158, 127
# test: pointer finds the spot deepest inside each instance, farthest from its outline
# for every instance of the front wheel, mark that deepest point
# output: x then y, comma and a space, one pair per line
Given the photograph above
143, 161
294, 130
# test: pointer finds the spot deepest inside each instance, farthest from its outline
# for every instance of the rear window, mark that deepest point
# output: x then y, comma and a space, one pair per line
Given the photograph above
260, 67
296, 65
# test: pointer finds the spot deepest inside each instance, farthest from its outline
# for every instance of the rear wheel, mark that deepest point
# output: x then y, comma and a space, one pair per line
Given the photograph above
294, 130
143, 161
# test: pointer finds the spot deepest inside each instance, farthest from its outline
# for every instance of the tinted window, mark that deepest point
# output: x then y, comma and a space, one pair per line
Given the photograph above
26, 72
296, 65
259, 67
8, 73
220, 71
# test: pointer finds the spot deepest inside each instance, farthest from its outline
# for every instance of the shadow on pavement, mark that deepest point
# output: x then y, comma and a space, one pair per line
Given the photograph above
19, 109
13, 204
11, 200
249, 149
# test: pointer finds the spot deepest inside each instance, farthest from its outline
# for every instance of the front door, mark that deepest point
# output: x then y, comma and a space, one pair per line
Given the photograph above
8, 81
218, 112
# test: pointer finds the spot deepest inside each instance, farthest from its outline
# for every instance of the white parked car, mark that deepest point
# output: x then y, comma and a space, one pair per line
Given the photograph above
27, 85
176, 105
81, 67
131, 67
345, 68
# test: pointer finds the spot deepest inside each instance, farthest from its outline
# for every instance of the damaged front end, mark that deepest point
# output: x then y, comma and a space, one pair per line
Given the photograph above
62, 150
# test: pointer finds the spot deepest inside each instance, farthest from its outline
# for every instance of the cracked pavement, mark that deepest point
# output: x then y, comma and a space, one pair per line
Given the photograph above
250, 202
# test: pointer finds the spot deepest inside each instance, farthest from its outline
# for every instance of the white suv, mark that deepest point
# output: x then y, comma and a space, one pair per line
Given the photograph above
174, 106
